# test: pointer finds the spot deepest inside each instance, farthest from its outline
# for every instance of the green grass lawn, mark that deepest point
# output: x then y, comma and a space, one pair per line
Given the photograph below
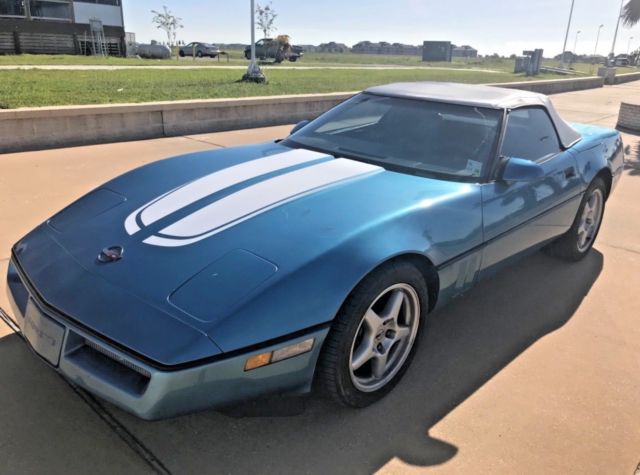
34, 88
67, 59
237, 58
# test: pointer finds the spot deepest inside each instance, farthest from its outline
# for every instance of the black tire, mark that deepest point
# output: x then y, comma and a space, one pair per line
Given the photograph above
567, 246
199, 54
334, 366
293, 59
181, 54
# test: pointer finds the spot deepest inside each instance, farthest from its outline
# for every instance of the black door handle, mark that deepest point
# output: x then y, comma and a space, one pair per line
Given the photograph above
570, 173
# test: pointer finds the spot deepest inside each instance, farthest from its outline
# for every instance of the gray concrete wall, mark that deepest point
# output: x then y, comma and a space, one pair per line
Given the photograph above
622, 78
556, 86
52, 127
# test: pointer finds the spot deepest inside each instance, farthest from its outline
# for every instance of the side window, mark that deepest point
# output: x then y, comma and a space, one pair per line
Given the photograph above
530, 134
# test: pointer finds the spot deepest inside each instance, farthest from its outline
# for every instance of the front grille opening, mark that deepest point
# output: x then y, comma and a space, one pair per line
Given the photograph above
110, 367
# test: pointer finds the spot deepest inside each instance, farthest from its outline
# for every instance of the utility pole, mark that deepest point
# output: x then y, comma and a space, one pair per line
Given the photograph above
575, 44
566, 38
612, 55
254, 73
595, 51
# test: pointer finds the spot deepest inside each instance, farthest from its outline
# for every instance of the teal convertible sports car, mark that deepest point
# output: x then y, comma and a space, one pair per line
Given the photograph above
312, 261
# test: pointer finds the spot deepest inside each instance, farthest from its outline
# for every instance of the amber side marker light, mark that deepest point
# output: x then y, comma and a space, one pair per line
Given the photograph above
264, 359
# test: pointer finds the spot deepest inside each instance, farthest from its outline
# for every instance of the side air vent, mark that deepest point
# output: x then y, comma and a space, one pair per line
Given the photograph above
107, 365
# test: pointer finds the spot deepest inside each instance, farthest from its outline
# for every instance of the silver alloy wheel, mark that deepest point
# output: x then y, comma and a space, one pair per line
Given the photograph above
590, 219
385, 337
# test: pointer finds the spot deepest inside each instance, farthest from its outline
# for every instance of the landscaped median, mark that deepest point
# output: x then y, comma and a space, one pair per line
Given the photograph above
42, 88
50, 127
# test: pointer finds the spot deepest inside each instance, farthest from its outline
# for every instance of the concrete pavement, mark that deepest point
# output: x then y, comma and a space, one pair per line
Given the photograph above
533, 371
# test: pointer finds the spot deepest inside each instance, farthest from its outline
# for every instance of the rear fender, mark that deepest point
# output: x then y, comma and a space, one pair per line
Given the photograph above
602, 155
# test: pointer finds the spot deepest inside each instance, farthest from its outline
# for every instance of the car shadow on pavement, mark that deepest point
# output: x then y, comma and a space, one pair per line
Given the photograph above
45, 427
632, 162
466, 344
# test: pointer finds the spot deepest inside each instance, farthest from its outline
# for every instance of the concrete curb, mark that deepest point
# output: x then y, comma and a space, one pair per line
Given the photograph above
53, 127
622, 78
556, 86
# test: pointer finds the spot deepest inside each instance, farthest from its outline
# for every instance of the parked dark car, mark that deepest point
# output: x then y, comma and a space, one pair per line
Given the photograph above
268, 48
199, 50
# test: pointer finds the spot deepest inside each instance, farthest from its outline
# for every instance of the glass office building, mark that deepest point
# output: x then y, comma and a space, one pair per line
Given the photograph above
59, 26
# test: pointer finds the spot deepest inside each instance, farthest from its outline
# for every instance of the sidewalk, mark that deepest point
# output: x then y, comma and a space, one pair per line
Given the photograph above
536, 371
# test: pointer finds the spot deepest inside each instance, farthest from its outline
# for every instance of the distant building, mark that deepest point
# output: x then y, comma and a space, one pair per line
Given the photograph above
309, 48
464, 51
436, 51
367, 47
60, 26
333, 47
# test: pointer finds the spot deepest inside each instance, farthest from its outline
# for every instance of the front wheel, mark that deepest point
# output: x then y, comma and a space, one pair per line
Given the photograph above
374, 336
576, 243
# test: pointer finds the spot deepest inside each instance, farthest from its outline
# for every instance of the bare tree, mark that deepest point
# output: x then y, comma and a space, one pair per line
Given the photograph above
168, 22
266, 19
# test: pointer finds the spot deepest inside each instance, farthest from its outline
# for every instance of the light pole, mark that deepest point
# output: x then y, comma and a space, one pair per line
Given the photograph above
566, 37
612, 55
595, 51
254, 73
629, 45
575, 44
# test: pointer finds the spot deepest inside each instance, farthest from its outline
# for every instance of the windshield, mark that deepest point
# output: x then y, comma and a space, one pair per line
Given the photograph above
430, 137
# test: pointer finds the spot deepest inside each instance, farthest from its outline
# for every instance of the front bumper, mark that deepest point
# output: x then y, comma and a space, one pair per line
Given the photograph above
139, 387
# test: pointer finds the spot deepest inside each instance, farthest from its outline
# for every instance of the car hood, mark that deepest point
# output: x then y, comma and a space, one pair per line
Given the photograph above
202, 233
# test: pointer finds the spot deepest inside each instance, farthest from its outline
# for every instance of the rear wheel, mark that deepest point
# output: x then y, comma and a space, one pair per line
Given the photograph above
374, 336
199, 54
576, 243
181, 53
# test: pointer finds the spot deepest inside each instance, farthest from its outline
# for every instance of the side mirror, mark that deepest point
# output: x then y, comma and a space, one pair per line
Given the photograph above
521, 170
298, 126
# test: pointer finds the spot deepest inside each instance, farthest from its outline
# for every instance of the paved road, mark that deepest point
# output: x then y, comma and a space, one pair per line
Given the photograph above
534, 371
99, 67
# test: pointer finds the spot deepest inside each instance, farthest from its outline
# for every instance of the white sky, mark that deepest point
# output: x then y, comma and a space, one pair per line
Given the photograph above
492, 26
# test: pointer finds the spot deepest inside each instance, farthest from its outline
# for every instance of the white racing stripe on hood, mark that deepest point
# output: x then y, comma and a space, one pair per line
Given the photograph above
256, 199
189, 193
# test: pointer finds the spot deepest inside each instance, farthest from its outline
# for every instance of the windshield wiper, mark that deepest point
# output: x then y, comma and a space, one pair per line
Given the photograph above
358, 153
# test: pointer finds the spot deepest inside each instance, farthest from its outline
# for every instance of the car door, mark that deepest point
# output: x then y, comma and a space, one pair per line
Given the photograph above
260, 49
517, 216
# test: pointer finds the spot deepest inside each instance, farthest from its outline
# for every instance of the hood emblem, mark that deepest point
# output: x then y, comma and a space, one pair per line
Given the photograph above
111, 254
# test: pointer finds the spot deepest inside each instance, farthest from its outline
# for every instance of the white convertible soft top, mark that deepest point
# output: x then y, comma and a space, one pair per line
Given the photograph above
480, 96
